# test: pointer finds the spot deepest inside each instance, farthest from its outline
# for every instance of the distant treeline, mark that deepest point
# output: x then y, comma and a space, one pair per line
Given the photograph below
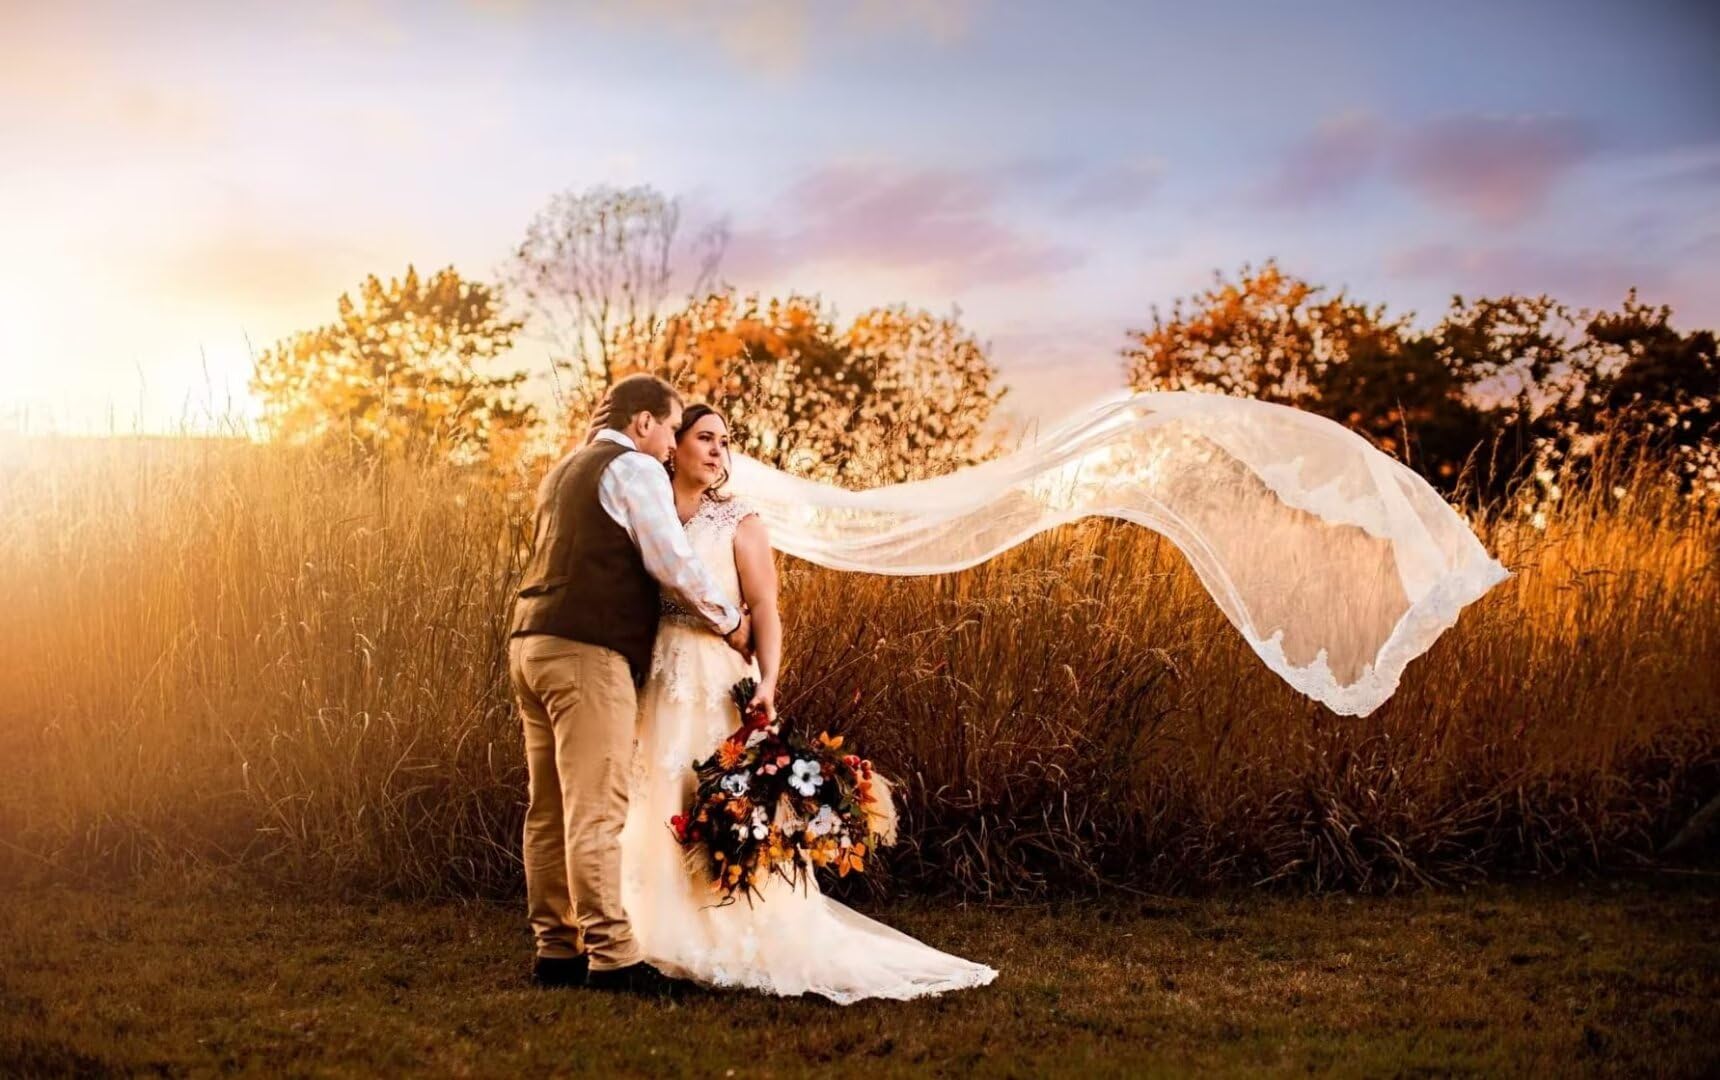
1502, 388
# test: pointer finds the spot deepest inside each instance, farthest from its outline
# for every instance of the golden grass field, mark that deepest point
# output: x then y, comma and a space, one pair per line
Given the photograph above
220, 654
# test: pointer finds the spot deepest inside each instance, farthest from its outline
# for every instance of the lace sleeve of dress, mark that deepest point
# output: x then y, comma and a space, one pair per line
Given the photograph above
725, 515
722, 517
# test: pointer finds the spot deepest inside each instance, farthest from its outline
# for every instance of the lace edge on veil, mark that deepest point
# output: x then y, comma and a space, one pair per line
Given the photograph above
1184, 488
1414, 634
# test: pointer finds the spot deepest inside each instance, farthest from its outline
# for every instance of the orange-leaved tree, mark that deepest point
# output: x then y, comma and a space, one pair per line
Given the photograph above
397, 374
1556, 384
1501, 386
898, 394
1268, 335
1275, 337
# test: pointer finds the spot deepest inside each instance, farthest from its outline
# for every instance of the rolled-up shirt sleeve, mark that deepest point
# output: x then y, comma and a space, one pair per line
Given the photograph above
639, 488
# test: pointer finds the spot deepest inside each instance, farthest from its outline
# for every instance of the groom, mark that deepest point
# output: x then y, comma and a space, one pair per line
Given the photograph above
606, 540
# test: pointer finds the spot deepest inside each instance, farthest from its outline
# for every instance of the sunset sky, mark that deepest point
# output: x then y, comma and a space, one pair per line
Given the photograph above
181, 186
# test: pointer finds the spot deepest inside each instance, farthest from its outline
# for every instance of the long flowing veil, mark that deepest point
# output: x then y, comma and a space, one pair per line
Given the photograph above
1338, 564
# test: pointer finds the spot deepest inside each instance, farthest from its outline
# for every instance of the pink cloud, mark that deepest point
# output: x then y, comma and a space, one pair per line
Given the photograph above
1498, 170
940, 221
1339, 154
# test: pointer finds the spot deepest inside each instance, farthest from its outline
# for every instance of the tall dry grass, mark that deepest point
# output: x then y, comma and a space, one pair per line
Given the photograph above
242, 656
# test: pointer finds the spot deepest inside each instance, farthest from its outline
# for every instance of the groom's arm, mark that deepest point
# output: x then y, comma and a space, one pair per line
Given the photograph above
635, 491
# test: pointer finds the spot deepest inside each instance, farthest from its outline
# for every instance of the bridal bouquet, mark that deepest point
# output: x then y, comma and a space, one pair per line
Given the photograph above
771, 801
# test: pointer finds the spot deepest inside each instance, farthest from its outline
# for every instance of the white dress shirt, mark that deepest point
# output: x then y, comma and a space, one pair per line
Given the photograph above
636, 493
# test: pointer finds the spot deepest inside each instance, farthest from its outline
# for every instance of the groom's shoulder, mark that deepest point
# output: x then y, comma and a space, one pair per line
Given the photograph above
620, 447
597, 449
628, 457
627, 463
579, 458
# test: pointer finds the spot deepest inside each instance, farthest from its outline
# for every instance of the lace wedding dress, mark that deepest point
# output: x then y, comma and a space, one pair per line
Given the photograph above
793, 940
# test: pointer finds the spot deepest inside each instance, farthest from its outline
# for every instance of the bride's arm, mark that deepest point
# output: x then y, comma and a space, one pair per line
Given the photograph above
758, 590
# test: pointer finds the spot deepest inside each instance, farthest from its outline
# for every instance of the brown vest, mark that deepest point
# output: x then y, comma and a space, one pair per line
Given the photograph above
585, 579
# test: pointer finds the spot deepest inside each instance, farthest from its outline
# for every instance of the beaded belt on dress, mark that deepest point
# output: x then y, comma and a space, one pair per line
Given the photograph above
669, 611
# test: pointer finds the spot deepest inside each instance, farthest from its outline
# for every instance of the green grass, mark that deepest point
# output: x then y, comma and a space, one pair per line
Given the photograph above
1619, 977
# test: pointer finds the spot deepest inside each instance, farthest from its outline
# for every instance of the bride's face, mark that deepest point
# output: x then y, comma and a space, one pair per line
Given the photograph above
702, 455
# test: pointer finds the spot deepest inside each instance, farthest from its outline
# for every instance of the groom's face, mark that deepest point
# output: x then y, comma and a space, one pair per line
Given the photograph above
657, 437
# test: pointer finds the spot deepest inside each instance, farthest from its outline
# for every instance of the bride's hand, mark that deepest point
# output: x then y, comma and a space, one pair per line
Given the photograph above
599, 420
764, 698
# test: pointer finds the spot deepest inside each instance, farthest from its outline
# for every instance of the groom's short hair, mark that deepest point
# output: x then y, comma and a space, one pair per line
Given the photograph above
640, 393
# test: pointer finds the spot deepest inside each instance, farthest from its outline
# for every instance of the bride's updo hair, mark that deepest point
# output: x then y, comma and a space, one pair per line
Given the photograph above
691, 415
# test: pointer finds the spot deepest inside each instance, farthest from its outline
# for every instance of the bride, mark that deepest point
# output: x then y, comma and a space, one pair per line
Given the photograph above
792, 940
1337, 564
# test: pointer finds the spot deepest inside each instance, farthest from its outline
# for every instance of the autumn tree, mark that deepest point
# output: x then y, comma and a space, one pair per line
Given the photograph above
597, 271
932, 392
1667, 387
1520, 355
1268, 335
1501, 387
1400, 393
898, 394
396, 373
1552, 383
775, 367
1275, 337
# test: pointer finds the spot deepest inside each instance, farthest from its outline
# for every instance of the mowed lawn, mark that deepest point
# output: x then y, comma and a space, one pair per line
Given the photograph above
1610, 977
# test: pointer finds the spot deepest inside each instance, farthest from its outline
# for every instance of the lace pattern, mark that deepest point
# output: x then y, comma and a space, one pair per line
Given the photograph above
685, 670
712, 531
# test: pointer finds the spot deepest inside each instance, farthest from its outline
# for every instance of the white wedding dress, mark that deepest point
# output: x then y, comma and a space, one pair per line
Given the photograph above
792, 941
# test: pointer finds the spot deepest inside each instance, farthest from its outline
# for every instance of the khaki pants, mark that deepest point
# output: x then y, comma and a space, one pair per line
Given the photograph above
579, 708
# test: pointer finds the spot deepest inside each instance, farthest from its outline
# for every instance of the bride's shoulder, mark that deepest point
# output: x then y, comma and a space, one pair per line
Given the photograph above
726, 511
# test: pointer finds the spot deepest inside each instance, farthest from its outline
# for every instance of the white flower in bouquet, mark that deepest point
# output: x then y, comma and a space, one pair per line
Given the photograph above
808, 775
735, 783
824, 822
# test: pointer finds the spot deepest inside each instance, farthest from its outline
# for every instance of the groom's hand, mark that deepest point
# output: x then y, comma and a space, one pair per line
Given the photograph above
740, 638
